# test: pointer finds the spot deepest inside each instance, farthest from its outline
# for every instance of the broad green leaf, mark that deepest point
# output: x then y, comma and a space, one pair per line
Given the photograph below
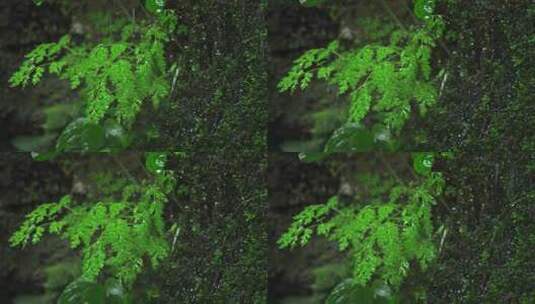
61, 273
81, 136
116, 136
83, 291
115, 292
308, 157
384, 139
58, 115
349, 293
44, 156
350, 138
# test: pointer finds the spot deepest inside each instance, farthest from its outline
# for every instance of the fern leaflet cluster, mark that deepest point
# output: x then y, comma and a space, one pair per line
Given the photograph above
114, 76
119, 233
383, 236
382, 80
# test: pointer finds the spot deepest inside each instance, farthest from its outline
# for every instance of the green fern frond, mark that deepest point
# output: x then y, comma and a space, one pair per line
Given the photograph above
104, 73
383, 237
113, 234
385, 81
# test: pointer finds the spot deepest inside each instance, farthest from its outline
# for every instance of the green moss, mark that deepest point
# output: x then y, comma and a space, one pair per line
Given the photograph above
489, 113
219, 114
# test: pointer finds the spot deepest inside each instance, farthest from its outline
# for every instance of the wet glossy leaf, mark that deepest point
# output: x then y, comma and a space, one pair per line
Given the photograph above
424, 8
81, 136
57, 116
382, 290
116, 136
154, 6
308, 157
155, 162
44, 156
346, 293
423, 162
115, 292
82, 291
350, 138
349, 293
384, 139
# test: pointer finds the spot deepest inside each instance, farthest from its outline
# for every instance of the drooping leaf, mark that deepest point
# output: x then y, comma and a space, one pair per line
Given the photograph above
81, 136
348, 293
44, 156
83, 291
308, 157
350, 138
117, 138
384, 139
116, 293
58, 115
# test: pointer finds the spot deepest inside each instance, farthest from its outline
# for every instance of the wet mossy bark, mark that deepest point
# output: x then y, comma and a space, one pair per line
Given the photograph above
219, 103
487, 112
217, 115
220, 254
486, 102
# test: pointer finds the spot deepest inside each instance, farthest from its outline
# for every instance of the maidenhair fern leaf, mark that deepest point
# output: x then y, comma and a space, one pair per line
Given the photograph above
383, 237
384, 81
112, 234
360, 104
109, 85
42, 214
